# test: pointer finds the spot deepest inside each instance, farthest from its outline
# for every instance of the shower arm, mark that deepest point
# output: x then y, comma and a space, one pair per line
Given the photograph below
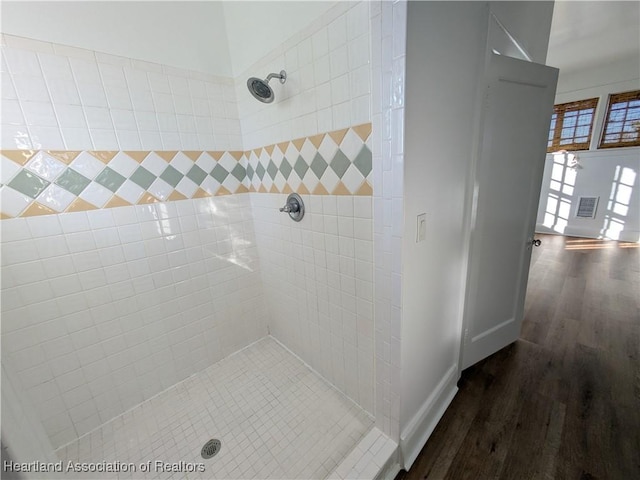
282, 76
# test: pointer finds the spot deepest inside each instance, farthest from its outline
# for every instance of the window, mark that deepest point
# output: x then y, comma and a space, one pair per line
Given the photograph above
622, 122
571, 125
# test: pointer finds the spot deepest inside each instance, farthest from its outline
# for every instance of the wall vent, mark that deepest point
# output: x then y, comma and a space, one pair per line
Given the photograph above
587, 207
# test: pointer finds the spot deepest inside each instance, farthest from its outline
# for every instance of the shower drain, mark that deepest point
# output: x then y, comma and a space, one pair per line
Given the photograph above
211, 448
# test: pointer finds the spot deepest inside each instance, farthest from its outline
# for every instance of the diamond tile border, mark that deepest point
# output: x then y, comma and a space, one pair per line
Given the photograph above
331, 163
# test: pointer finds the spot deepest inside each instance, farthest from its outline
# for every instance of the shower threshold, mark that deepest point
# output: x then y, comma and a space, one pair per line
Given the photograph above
275, 418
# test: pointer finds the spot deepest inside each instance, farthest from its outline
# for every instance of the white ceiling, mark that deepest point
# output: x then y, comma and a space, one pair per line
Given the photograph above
588, 33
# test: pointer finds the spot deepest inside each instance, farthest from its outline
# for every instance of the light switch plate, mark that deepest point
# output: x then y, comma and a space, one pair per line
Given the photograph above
421, 228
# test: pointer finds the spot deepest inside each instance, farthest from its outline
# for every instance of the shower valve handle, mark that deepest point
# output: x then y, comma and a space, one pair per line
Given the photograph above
294, 207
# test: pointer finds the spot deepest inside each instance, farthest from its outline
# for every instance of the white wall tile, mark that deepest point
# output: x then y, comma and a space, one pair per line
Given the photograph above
111, 88
292, 259
76, 138
321, 53
217, 268
46, 137
75, 327
21, 62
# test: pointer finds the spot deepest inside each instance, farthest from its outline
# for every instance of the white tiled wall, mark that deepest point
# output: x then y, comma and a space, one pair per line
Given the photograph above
59, 97
328, 83
318, 279
103, 309
29, 441
388, 20
318, 274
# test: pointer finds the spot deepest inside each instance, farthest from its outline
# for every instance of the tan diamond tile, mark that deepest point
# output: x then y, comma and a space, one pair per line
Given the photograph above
341, 190
193, 155
80, 205
166, 155
298, 142
147, 198
117, 201
19, 156
316, 140
363, 131
36, 209
320, 190
105, 156
283, 146
138, 156
216, 155
176, 195
338, 135
200, 193
65, 156
365, 189
236, 154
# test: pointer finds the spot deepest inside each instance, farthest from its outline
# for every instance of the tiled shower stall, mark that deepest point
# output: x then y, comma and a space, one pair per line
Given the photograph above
153, 296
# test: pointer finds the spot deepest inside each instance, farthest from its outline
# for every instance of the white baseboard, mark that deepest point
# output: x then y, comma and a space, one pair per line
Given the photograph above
415, 434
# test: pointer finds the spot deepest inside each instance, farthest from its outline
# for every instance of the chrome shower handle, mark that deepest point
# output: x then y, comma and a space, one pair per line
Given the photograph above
294, 207
291, 206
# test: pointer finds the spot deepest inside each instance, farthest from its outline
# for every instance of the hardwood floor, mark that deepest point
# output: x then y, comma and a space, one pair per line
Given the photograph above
563, 402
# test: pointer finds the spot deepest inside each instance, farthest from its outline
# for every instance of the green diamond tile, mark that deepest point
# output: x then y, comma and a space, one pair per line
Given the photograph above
72, 181
363, 161
143, 177
285, 168
272, 170
196, 174
301, 167
250, 172
110, 179
340, 163
239, 172
28, 183
171, 176
260, 171
318, 165
219, 173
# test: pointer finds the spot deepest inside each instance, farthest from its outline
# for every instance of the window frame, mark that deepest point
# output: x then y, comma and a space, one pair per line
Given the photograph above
613, 99
560, 110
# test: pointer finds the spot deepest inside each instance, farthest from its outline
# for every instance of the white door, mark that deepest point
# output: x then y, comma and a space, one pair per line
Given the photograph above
516, 114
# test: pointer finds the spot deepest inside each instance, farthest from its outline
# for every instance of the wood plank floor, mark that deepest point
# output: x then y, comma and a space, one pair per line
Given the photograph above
563, 402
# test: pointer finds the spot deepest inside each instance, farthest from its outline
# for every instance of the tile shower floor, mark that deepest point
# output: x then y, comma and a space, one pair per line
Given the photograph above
274, 416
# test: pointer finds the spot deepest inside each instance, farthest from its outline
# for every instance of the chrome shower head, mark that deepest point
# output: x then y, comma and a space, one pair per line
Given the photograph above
261, 90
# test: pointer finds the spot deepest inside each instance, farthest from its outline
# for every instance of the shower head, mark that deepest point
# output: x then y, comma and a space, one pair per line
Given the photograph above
261, 90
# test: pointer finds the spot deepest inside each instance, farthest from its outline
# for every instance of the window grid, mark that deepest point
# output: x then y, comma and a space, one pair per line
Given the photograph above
571, 125
622, 121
